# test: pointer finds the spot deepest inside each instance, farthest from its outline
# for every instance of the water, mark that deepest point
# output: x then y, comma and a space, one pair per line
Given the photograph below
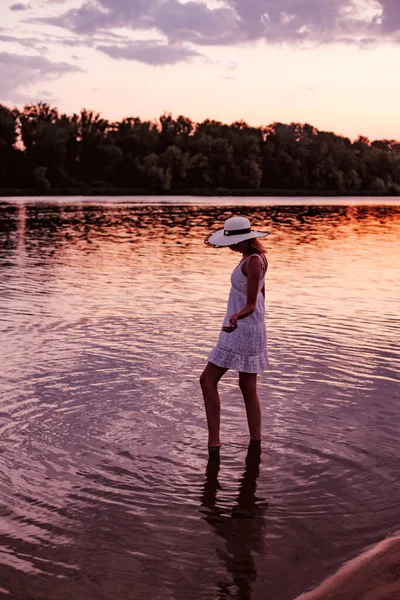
108, 310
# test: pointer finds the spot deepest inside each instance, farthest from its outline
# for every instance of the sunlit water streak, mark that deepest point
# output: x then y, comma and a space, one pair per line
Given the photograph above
108, 310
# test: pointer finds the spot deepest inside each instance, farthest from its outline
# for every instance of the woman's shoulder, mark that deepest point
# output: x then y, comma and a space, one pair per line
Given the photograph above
255, 258
260, 255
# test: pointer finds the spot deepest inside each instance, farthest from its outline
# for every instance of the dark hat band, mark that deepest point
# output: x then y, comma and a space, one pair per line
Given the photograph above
237, 231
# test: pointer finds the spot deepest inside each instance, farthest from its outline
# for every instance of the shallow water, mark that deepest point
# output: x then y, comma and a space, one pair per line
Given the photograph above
108, 310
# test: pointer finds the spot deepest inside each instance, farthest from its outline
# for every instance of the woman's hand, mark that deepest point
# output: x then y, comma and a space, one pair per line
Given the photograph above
233, 320
232, 324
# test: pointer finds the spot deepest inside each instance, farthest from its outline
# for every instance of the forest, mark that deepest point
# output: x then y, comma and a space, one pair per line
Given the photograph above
43, 151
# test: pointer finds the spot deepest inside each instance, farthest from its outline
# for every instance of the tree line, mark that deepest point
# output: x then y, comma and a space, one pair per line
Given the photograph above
44, 151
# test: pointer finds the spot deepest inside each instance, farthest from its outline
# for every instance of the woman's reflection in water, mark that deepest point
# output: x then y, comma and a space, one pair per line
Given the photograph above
241, 527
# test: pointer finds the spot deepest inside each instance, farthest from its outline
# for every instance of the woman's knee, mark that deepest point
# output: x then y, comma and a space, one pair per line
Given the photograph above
211, 376
206, 381
203, 379
248, 384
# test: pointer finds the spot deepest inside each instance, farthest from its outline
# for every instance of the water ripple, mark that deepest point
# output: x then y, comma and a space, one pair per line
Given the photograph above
108, 311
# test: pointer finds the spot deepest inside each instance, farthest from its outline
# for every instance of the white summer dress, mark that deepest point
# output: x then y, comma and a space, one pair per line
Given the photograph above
245, 349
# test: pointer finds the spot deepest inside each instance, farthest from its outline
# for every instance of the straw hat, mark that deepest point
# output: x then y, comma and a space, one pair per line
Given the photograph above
235, 230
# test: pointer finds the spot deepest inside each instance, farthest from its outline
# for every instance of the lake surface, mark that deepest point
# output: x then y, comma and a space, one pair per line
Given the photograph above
109, 308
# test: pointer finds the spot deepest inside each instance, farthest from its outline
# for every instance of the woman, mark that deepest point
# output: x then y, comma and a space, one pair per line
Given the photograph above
242, 341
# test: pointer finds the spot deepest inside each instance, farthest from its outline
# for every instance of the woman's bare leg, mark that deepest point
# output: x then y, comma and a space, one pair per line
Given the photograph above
248, 387
209, 384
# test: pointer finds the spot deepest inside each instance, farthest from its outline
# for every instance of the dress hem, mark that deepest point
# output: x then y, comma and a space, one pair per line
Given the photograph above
227, 359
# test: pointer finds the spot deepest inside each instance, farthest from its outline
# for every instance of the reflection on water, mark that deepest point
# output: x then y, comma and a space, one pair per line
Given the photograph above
241, 527
108, 311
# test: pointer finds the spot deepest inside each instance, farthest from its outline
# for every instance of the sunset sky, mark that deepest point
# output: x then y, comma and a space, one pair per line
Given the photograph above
331, 63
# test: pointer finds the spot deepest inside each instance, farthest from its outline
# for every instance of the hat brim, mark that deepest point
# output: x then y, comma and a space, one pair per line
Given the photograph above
219, 240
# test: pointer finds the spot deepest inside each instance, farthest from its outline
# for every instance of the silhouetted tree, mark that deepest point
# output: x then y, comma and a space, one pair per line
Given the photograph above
45, 150
9, 155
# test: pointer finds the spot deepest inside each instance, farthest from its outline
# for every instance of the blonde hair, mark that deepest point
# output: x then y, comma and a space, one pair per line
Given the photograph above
258, 246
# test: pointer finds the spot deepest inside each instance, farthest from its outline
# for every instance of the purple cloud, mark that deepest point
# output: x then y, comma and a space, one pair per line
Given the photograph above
29, 42
237, 21
192, 21
234, 22
390, 15
18, 71
297, 20
18, 6
84, 20
195, 22
150, 52
45, 94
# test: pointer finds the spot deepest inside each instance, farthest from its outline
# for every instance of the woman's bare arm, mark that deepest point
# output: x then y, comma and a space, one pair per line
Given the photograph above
253, 272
